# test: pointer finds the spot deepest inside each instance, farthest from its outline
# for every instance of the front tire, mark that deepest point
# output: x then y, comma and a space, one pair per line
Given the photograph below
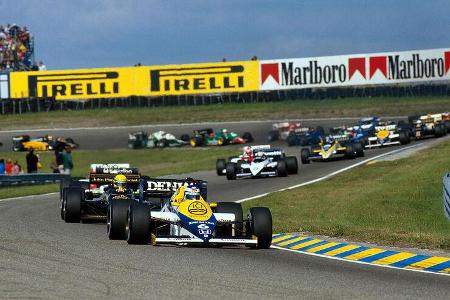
247, 136
231, 171
260, 221
220, 166
116, 219
282, 170
138, 227
304, 155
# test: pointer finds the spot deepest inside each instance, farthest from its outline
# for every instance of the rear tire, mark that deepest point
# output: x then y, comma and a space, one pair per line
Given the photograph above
282, 170
404, 138
304, 155
274, 135
231, 171
72, 205
292, 140
350, 152
233, 208
291, 164
185, 137
247, 136
260, 221
116, 219
221, 165
359, 149
138, 228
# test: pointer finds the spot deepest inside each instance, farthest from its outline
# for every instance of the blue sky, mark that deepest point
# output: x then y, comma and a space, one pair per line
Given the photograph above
110, 33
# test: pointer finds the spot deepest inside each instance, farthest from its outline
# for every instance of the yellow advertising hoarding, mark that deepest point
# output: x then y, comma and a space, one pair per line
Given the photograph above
169, 80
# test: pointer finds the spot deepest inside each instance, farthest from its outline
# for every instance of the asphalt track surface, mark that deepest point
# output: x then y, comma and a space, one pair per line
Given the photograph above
43, 257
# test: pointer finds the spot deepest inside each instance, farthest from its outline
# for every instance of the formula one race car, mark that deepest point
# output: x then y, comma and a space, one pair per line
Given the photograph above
102, 197
280, 131
428, 126
184, 217
304, 136
258, 161
158, 139
333, 146
210, 137
386, 134
368, 124
446, 120
43, 143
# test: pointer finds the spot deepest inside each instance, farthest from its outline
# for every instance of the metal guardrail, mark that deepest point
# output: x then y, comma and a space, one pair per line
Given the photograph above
446, 196
31, 179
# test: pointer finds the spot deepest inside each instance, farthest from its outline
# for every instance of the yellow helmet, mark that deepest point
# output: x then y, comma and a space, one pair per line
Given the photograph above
120, 182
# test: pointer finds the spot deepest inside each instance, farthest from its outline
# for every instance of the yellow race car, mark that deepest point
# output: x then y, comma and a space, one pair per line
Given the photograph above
43, 143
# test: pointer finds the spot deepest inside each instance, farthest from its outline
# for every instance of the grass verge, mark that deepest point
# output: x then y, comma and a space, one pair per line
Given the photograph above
396, 203
350, 107
153, 162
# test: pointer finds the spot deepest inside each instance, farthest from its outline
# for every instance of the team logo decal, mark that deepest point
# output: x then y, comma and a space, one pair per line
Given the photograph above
197, 208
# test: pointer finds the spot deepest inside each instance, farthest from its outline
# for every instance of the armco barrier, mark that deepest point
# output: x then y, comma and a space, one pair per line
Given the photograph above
31, 179
446, 196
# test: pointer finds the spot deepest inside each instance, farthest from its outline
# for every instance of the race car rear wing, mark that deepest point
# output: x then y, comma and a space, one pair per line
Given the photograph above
108, 178
165, 188
113, 169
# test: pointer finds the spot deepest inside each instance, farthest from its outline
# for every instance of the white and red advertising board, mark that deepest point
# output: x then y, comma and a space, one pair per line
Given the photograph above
358, 69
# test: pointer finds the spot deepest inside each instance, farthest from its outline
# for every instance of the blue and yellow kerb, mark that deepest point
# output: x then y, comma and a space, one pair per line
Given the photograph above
351, 252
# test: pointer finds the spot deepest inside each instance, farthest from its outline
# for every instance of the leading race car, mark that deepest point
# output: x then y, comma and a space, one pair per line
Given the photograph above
183, 217
43, 143
158, 139
387, 134
220, 137
105, 196
431, 125
258, 161
280, 131
331, 147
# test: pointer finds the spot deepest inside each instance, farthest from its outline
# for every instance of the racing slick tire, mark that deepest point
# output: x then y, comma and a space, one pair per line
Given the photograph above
282, 170
138, 225
359, 149
350, 152
185, 137
273, 136
162, 143
231, 208
247, 136
72, 204
260, 225
304, 155
116, 219
447, 126
291, 164
444, 129
221, 165
230, 171
196, 141
403, 138
438, 130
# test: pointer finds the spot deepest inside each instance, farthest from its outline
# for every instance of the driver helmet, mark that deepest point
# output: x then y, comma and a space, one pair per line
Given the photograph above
120, 182
248, 151
192, 193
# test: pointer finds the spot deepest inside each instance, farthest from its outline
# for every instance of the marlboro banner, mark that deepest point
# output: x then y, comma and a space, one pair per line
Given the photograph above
358, 69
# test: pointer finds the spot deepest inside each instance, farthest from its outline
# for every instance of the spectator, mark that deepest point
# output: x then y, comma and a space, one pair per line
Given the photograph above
8, 167
16, 48
16, 169
67, 161
42, 67
2, 166
57, 164
32, 161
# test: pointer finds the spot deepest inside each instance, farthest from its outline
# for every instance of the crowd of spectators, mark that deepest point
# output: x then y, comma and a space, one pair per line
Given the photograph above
10, 168
16, 48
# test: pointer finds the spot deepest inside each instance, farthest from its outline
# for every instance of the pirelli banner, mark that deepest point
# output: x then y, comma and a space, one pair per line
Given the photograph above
208, 78
353, 70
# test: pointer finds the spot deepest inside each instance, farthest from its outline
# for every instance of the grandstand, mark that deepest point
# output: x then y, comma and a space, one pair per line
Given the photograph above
16, 48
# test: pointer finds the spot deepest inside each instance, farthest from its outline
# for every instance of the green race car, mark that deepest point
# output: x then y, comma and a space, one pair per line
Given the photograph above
158, 139
219, 137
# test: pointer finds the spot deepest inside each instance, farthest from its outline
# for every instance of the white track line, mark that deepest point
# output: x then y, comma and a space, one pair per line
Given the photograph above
186, 124
331, 174
29, 196
359, 262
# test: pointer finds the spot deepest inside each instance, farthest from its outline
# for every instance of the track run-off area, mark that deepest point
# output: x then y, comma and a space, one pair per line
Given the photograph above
43, 257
